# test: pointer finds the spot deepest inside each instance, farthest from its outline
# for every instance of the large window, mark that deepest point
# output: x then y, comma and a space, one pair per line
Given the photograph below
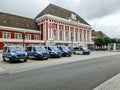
54, 34
6, 35
80, 37
36, 37
61, 35
76, 36
67, 35
84, 37
88, 35
18, 36
28, 36
72, 36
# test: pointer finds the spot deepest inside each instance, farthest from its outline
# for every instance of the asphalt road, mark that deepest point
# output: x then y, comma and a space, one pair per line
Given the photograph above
81, 75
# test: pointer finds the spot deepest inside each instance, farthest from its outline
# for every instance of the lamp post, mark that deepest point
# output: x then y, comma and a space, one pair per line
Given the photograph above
72, 41
24, 38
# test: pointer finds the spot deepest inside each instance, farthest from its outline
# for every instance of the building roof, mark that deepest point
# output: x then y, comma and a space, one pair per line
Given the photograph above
98, 34
60, 12
10, 20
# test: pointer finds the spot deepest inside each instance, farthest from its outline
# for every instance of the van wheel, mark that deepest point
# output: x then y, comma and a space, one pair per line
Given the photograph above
74, 53
4, 59
36, 57
25, 60
10, 60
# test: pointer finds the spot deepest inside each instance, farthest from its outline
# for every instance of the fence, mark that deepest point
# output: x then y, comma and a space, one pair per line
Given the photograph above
114, 47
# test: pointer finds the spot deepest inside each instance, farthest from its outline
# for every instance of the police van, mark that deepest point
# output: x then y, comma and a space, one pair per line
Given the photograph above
12, 52
37, 52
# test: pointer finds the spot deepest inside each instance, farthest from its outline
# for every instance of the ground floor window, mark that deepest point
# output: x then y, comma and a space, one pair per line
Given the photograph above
72, 36
54, 34
84, 37
76, 36
18, 36
61, 35
28, 36
67, 35
36, 37
80, 37
6, 35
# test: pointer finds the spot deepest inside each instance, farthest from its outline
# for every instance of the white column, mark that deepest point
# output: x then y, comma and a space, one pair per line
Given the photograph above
86, 35
74, 35
78, 40
44, 31
52, 33
64, 38
114, 47
69, 34
90, 35
58, 32
48, 30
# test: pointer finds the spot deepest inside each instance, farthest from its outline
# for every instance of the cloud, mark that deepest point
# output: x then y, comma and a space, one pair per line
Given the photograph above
103, 15
90, 9
27, 8
109, 24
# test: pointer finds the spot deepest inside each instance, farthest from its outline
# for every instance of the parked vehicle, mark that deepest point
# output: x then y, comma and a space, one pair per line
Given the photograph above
37, 52
54, 51
14, 53
65, 50
81, 50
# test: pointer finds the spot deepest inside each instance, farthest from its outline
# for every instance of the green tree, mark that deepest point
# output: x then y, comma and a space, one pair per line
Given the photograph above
102, 41
107, 40
113, 40
99, 41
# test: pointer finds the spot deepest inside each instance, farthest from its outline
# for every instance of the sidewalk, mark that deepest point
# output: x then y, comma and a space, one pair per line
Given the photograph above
111, 84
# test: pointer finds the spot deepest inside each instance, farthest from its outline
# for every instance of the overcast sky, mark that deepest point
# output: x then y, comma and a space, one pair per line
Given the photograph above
103, 15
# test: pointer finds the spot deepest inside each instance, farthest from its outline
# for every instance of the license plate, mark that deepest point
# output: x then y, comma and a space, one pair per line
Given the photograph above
31, 57
21, 59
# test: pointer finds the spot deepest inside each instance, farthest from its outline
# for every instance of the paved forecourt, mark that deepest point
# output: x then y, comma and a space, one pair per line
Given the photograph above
35, 64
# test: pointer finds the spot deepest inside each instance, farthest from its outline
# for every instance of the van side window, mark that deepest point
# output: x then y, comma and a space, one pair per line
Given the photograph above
49, 49
29, 48
34, 49
5, 49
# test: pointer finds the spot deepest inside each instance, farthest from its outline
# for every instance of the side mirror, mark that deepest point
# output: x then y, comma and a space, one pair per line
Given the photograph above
8, 50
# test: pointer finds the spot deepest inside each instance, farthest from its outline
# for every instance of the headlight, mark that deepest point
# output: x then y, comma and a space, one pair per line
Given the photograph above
39, 53
52, 53
26, 54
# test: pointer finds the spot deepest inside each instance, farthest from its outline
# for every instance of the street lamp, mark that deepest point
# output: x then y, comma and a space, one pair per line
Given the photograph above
72, 41
24, 38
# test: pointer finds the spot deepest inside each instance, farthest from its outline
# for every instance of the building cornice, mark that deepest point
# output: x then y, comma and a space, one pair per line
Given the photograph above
62, 19
19, 29
21, 40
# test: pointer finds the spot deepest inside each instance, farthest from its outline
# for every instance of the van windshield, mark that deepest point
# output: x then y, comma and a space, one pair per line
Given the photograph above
84, 48
39, 48
16, 48
53, 48
64, 48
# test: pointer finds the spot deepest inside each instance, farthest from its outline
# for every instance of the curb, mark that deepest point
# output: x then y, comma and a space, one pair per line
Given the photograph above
111, 84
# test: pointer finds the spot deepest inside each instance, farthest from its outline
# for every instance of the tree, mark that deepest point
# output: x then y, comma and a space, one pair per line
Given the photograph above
99, 41
107, 40
102, 42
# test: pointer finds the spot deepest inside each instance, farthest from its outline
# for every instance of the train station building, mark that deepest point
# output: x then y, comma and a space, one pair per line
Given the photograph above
54, 25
